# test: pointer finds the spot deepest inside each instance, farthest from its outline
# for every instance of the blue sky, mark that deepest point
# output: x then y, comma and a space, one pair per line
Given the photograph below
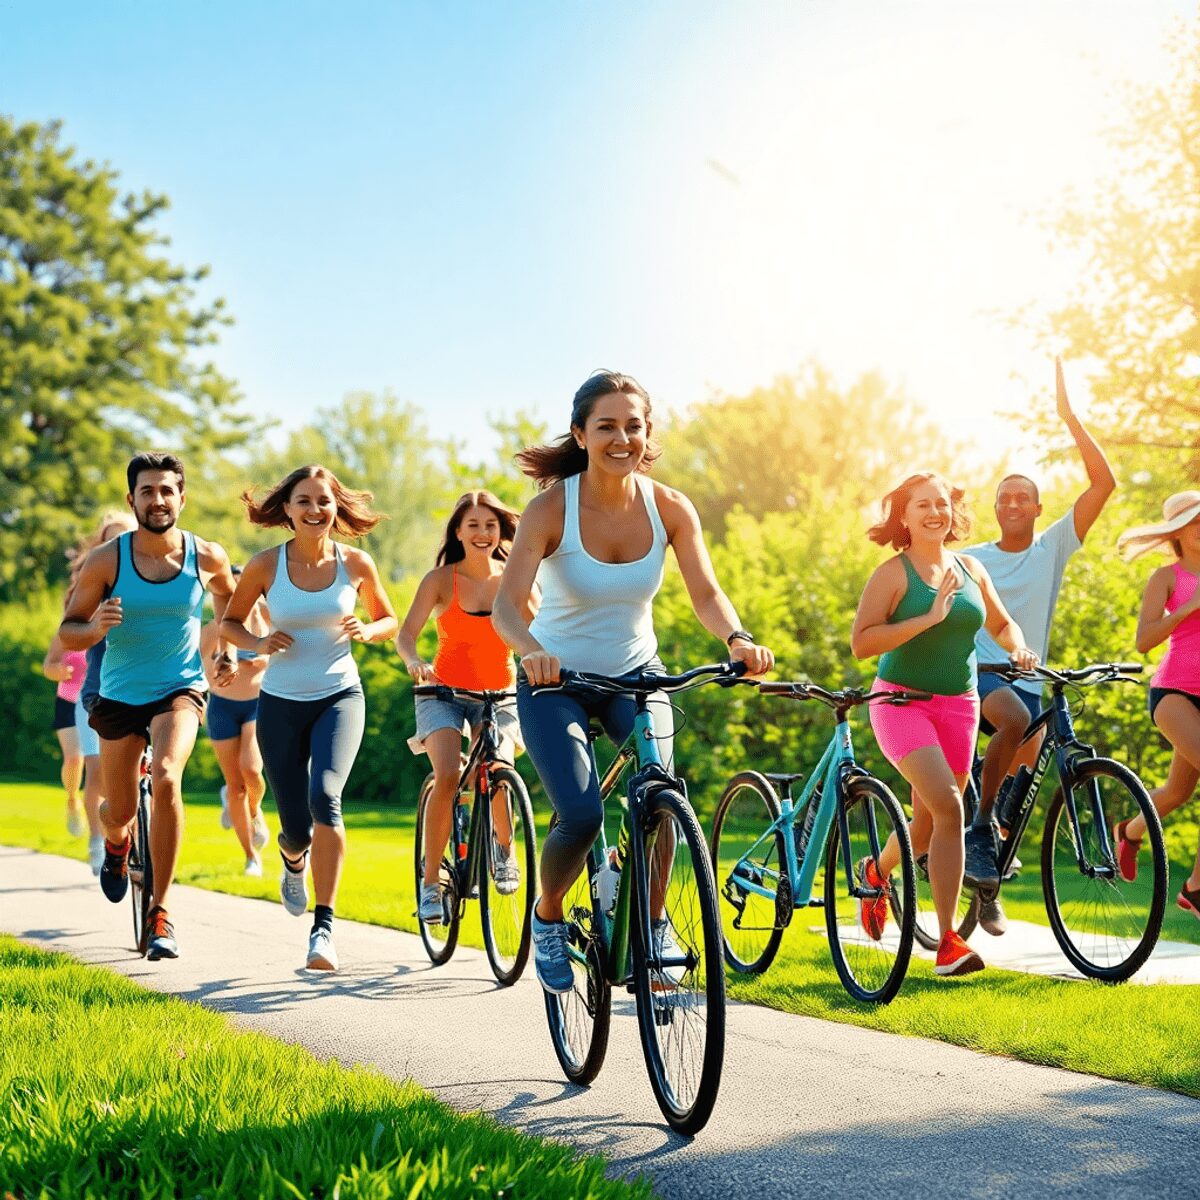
477, 204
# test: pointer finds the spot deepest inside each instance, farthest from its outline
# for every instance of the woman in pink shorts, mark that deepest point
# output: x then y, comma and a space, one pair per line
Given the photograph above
1171, 613
919, 613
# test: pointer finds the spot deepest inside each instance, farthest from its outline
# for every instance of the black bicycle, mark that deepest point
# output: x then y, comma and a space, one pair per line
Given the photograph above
499, 825
140, 866
1106, 926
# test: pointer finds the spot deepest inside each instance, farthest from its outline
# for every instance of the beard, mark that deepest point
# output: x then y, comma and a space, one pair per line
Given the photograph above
157, 522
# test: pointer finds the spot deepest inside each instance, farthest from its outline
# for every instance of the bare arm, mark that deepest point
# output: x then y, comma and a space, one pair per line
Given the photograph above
997, 620
375, 600
1155, 624
89, 616
53, 666
511, 612
871, 635
252, 583
1101, 480
429, 595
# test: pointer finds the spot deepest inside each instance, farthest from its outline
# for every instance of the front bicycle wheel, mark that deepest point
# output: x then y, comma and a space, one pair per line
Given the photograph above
870, 955
141, 872
679, 979
507, 875
440, 938
579, 1019
1106, 925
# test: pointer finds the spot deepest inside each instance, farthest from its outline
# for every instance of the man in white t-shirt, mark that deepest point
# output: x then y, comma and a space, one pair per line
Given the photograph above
1027, 569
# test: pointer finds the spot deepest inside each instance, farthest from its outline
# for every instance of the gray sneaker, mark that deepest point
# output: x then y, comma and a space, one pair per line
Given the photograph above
505, 870
980, 866
259, 833
226, 819
321, 954
991, 916
429, 910
550, 956
96, 854
665, 946
293, 890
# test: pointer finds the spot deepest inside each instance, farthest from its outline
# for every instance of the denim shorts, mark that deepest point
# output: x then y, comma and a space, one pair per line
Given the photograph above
989, 683
433, 714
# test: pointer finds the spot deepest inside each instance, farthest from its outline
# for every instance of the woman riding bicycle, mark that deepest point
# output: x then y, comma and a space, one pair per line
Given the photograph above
1170, 613
919, 613
596, 541
460, 592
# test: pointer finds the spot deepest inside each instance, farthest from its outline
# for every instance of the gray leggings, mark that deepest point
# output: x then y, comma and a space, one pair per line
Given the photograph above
554, 726
308, 748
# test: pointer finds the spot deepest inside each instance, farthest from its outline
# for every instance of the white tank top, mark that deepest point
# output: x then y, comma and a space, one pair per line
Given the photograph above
318, 663
598, 616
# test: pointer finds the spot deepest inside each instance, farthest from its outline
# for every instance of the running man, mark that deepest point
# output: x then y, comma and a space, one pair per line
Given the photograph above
144, 593
1026, 568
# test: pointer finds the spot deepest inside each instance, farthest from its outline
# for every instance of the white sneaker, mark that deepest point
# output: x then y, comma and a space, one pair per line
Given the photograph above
254, 870
76, 826
293, 890
505, 870
259, 833
95, 854
665, 946
321, 954
226, 819
430, 910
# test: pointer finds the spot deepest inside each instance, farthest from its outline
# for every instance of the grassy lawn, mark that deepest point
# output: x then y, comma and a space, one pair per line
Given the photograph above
109, 1091
1136, 1033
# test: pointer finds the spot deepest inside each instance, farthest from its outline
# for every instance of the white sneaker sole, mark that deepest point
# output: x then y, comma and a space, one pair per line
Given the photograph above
968, 964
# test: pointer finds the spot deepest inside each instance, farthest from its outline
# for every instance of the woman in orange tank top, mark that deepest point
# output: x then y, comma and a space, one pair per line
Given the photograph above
459, 593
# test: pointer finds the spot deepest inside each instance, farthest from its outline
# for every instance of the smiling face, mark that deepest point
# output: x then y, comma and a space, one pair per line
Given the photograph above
1017, 507
615, 433
157, 500
479, 531
928, 514
311, 508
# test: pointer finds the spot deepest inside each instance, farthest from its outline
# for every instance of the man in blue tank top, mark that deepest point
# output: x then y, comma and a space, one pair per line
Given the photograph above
144, 593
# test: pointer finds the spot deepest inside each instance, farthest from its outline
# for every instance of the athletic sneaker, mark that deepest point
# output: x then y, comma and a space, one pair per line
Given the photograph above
1189, 900
293, 890
955, 957
665, 946
162, 942
505, 870
872, 911
1127, 852
980, 865
259, 833
114, 871
254, 869
226, 819
991, 916
430, 910
95, 854
550, 956
321, 954
76, 826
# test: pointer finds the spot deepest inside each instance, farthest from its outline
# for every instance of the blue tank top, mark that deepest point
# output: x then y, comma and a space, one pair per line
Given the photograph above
156, 648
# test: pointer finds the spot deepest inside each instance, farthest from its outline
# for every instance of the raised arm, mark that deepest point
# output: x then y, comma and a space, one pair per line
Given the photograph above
1101, 480
374, 598
89, 616
997, 620
429, 595
540, 525
1155, 624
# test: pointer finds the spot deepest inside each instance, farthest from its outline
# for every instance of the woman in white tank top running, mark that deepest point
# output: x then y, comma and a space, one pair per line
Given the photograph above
595, 540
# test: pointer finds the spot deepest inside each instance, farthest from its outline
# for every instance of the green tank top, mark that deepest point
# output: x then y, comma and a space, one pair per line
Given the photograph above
940, 660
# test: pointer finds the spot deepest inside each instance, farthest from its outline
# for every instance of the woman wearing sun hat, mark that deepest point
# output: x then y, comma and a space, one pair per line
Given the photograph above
1170, 613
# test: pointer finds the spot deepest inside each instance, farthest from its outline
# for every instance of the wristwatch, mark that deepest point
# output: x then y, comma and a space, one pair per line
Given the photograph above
739, 633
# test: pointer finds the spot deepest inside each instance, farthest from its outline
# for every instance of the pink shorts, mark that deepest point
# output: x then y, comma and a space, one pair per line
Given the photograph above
949, 722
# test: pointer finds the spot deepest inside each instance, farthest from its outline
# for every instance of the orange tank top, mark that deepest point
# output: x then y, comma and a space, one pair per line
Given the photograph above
470, 653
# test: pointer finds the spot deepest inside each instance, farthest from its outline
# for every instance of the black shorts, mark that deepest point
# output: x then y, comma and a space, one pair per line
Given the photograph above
1157, 694
64, 713
113, 720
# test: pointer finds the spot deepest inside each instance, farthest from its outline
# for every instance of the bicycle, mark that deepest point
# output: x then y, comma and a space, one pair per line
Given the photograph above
671, 962
768, 859
140, 865
467, 869
1106, 926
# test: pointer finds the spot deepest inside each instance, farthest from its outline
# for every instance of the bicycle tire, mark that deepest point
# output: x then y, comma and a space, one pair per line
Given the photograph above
509, 912
663, 1003
855, 954
1127, 898
745, 954
925, 918
141, 872
438, 948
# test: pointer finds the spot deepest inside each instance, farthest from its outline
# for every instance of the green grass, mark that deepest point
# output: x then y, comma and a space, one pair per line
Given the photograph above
108, 1090
1143, 1034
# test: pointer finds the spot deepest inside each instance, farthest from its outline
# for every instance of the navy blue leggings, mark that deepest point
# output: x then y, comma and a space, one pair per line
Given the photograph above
308, 748
554, 726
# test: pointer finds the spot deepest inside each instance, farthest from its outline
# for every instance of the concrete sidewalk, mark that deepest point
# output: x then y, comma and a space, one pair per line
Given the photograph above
807, 1108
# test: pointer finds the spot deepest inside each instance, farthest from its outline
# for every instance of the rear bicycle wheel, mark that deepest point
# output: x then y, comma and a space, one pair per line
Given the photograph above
141, 871
871, 968
751, 927
925, 922
579, 1019
1105, 925
679, 979
439, 939
505, 907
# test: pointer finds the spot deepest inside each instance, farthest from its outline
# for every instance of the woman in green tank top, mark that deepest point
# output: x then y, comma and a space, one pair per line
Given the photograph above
919, 613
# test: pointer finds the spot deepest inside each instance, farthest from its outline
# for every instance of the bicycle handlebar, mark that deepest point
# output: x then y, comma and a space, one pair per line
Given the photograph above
1094, 673
443, 691
847, 698
724, 674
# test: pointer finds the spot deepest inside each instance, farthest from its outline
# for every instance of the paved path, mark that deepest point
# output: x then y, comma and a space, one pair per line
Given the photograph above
869, 1113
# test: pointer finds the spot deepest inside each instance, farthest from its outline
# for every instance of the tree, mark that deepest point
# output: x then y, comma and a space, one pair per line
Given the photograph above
98, 334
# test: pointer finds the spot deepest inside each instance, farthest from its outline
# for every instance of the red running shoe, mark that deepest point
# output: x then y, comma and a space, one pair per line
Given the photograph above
1127, 852
873, 910
1189, 900
955, 957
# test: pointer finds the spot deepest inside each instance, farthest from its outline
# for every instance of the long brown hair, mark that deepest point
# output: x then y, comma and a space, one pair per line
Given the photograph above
452, 549
891, 531
355, 516
565, 457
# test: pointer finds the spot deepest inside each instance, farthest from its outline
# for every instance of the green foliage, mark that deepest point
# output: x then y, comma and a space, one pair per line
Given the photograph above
26, 695
98, 334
